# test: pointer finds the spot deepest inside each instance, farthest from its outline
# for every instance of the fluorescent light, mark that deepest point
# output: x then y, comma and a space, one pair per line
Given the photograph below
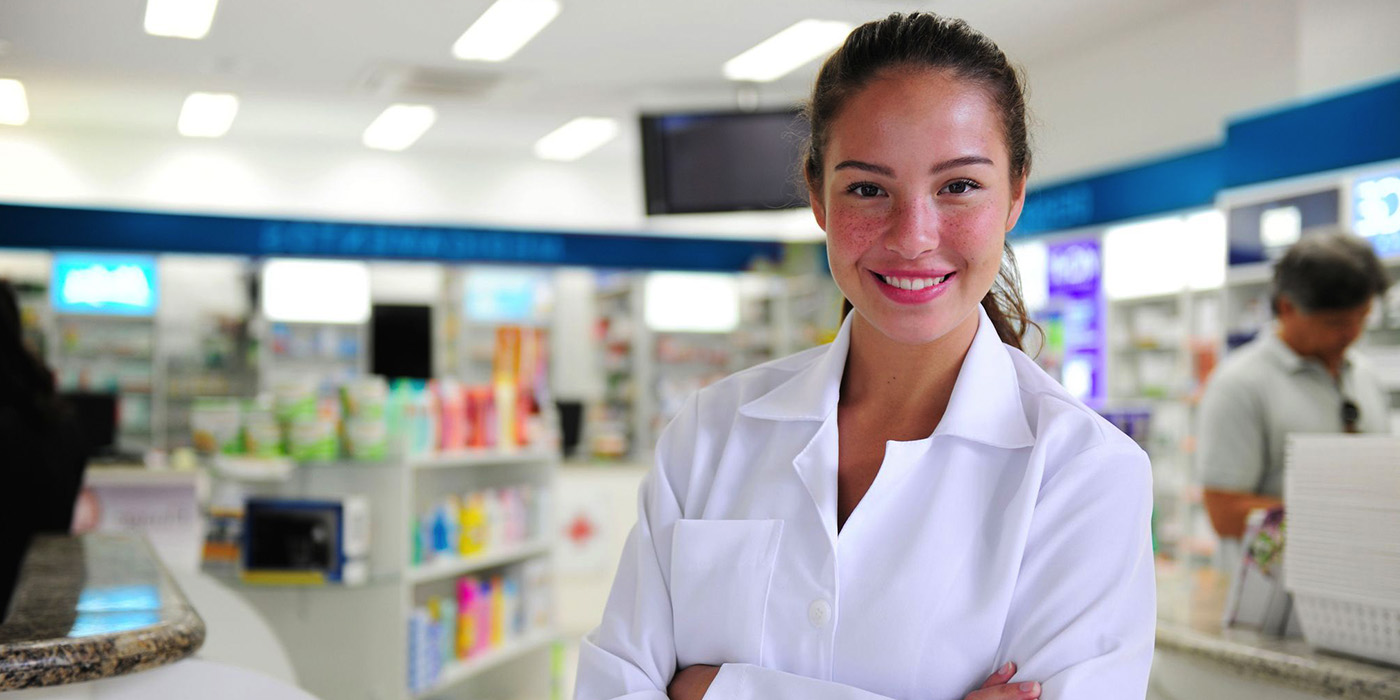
787, 50
14, 108
184, 19
315, 291
576, 139
504, 28
399, 127
208, 114
691, 302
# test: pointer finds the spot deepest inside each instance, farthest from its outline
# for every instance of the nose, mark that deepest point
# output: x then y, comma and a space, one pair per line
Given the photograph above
913, 227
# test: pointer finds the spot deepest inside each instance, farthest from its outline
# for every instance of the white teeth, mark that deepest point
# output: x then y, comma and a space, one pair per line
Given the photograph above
912, 284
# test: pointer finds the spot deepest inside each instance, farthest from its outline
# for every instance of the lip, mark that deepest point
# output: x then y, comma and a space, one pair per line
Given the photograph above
913, 273
910, 296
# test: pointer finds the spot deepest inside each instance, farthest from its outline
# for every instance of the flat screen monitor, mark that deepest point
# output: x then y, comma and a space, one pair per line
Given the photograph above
401, 341
113, 285
723, 161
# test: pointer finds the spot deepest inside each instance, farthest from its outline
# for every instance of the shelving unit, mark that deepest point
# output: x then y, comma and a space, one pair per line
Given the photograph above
320, 352
118, 354
351, 642
615, 429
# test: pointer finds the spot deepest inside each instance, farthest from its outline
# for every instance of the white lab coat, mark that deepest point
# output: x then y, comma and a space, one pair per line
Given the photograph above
1018, 531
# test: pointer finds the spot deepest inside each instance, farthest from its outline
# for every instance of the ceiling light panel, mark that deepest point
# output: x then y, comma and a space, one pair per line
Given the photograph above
208, 114
576, 139
399, 126
184, 19
14, 107
505, 27
787, 51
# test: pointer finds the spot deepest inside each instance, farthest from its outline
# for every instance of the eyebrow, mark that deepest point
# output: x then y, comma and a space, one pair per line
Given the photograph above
945, 165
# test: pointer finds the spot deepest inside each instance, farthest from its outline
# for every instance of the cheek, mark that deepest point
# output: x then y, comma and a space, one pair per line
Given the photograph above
852, 233
976, 235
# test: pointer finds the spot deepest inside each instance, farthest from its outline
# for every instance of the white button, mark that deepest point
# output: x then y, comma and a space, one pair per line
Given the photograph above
818, 613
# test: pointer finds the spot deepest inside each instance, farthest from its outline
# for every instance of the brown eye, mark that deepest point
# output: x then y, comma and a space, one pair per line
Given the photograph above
960, 187
865, 189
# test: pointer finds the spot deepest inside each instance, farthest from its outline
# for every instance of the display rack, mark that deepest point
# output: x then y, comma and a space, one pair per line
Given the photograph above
616, 427
117, 354
220, 364
352, 642
320, 352
1162, 347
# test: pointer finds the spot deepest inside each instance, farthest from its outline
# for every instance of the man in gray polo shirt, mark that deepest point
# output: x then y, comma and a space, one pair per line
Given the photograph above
1294, 378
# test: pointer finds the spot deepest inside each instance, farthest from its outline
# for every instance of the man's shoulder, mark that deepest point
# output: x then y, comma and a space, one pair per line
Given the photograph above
1247, 365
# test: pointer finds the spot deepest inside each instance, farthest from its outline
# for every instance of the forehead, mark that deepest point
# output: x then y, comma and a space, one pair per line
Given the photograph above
918, 113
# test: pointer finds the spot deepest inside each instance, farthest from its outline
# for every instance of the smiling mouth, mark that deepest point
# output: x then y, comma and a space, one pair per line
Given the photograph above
913, 284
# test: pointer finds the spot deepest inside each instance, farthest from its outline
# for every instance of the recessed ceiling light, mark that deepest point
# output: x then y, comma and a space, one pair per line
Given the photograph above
184, 19
503, 28
208, 114
576, 139
14, 108
399, 126
787, 50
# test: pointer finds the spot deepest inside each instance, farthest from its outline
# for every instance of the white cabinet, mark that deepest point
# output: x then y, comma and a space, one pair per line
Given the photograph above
352, 642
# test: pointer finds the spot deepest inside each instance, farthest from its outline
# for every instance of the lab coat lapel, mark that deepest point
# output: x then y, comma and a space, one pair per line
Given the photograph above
810, 396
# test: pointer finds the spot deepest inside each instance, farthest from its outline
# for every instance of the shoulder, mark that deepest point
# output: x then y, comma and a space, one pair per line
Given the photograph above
1070, 435
1246, 366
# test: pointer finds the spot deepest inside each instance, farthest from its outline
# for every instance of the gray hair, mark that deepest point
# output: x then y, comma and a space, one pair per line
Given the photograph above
1329, 272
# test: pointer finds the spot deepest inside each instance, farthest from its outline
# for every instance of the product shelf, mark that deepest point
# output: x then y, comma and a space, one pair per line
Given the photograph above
448, 567
481, 458
464, 670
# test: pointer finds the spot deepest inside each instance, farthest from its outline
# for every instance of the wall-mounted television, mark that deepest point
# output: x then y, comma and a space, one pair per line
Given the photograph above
92, 283
723, 161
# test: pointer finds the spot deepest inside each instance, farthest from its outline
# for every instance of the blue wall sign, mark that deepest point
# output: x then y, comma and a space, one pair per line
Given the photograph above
1171, 184
99, 229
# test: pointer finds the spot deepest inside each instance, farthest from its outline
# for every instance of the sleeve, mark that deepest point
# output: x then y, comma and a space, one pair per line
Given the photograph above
1230, 443
1083, 615
749, 682
632, 654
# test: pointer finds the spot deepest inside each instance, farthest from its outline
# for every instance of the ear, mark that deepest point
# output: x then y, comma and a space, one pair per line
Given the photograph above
1018, 202
818, 208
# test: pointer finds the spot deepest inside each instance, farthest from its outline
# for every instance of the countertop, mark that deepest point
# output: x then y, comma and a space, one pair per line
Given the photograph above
93, 606
1190, 603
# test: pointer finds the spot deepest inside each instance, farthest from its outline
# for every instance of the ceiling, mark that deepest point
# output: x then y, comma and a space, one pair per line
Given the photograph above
321, 70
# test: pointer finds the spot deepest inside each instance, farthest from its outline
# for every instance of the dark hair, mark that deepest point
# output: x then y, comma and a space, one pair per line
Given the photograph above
25, 383
1328, 272
923, 40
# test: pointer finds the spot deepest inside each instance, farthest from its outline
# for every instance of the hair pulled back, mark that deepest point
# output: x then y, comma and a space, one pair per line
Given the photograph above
923, 40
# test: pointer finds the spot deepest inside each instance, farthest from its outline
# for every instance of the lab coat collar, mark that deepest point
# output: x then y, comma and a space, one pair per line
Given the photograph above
985, 406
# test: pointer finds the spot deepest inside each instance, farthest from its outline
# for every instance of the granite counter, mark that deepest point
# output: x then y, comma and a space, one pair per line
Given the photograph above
89, 607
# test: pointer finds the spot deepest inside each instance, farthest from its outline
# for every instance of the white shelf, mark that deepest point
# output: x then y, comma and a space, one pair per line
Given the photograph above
448, 567
455, 673
1249, 273
482, 458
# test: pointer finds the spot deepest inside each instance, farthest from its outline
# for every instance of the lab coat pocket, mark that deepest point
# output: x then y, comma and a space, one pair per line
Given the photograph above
721, 571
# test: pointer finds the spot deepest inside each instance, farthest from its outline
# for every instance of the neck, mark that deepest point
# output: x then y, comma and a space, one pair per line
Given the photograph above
881, 373
1333, 363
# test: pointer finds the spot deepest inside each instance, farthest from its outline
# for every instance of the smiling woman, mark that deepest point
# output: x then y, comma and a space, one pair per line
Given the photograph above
915, 510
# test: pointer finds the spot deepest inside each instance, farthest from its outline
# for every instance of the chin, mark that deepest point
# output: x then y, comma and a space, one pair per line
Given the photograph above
905, 330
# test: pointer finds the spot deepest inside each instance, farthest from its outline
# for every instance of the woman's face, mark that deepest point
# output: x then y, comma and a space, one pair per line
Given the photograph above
916, 200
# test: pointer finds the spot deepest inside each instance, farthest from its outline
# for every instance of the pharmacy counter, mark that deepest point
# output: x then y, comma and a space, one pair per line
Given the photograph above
92, 606
1199, 659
